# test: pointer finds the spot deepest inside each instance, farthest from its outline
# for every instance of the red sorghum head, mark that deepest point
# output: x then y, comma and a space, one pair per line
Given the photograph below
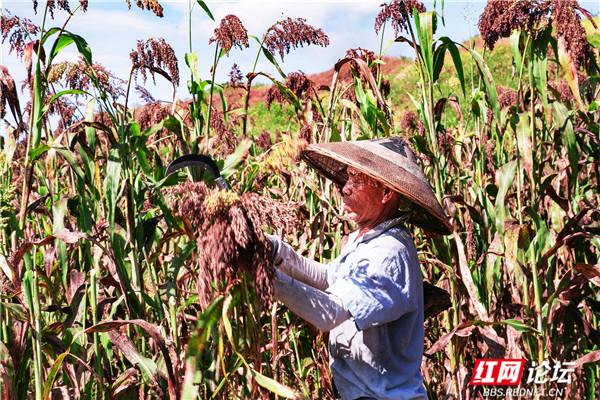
291, 33
21, 31
228, 229
155, 55
230, 33
398, 12
151, 5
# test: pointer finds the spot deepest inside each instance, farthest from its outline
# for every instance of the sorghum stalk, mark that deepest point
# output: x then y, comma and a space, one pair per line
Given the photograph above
196, 130
212, 88
171, 299
130, 203
93, 293
3, 325
426, 86
131, 71
379, 74
34, 134
155, 282
519, 175
248, 87
35, 126
30, 283
534, 267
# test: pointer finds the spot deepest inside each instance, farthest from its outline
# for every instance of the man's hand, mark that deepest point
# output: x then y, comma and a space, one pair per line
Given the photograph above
275, 242
285, 259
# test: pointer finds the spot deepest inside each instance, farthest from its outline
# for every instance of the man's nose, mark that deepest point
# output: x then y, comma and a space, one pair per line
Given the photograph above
346, 189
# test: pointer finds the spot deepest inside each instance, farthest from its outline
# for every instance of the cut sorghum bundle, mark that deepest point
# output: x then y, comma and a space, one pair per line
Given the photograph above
228, 229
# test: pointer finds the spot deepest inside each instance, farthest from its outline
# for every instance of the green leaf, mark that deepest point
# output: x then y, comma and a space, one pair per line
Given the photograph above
38, 151
154, 129
172, 124
518, 325
490, 86
207, 320
236, 158
221, 91
506, 175
52, 374
146, 365
449, 45
226, 322
59, 210
65, 39
90, 132
272, 60
71, 159
273, 386
563, 119
111, 185
205, 8
191, 60
27, 284
524, 138
134, 129
142, 159
269, 56
504, 178
17, 310
569, 70
540, 65
516, 52
573, 154
110, 134
424, 25
594, 40
59, 94
49, 33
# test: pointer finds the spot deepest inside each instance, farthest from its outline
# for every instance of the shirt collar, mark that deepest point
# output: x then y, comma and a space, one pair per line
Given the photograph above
376, 231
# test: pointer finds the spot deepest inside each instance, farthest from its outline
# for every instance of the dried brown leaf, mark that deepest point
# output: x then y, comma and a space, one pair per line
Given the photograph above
464, 329
126, 346
467, 278
591, 272
591, 357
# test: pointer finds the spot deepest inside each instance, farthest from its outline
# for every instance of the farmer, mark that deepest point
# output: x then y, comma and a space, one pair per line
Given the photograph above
370, 298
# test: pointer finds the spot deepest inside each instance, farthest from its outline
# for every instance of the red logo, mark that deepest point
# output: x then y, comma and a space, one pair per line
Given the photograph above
498, 371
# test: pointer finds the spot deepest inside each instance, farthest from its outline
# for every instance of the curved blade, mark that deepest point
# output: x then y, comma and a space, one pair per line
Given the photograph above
198, 160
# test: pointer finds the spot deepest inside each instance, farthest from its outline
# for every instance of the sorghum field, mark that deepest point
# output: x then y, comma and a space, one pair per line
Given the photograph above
127, 273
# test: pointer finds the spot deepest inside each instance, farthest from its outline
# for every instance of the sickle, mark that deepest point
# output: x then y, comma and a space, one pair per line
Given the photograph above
200, 160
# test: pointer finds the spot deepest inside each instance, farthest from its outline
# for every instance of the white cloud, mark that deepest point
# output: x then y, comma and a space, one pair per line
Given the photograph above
118, 22
112, 31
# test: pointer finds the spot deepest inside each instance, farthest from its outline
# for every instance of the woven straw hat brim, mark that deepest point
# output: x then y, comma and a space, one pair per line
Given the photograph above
388, 161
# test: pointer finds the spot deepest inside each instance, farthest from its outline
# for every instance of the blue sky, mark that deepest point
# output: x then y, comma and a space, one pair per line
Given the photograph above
112, 32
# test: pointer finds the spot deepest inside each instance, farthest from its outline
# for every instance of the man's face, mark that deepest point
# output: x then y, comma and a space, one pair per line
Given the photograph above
362, 197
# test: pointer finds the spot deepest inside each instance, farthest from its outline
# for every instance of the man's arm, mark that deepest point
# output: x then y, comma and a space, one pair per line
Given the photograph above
384, 284
321, 309
296, 266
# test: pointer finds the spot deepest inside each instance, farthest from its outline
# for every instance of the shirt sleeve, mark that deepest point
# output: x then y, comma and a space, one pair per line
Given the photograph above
380, 287
323, 310
301, 268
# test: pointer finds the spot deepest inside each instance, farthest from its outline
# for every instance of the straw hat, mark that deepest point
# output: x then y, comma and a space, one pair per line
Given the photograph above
389, 161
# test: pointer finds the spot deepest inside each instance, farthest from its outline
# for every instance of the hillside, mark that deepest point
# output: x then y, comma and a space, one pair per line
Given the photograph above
403, 78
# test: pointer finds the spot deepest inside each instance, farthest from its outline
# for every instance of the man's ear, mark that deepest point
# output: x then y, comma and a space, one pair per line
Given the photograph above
388, 195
